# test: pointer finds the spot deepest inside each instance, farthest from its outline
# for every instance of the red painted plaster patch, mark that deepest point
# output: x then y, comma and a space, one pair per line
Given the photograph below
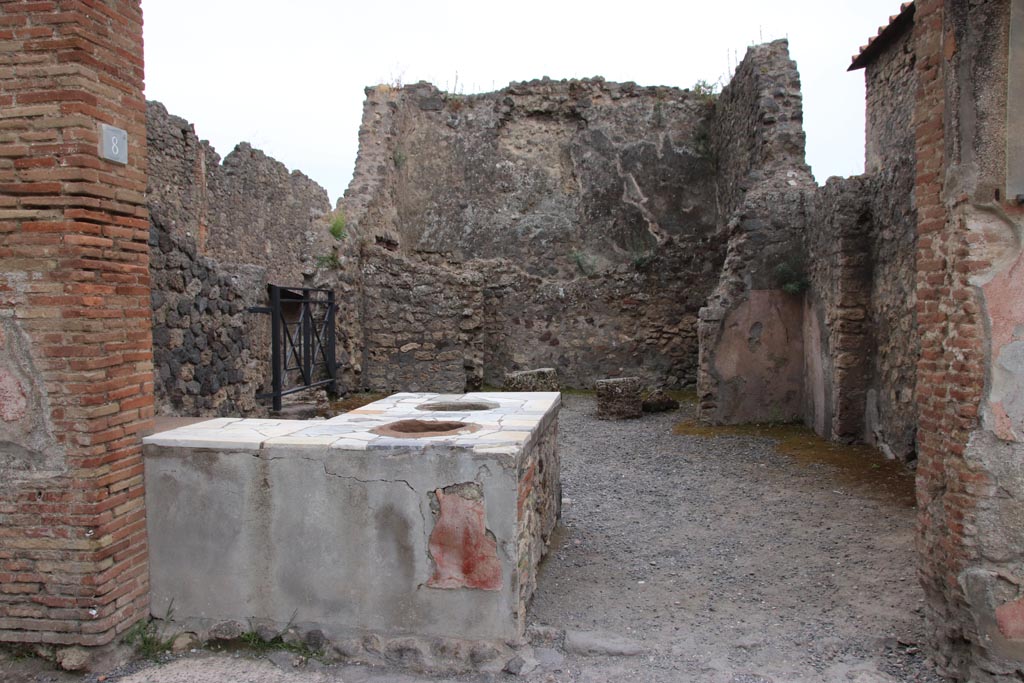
1010, 618
1003, 427
464, 555
13, 403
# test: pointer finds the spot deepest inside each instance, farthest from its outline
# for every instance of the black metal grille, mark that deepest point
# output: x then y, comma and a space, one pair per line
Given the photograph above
302, 342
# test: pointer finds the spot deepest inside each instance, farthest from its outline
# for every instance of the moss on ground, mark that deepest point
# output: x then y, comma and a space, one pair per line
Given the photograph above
354, 401
855, 465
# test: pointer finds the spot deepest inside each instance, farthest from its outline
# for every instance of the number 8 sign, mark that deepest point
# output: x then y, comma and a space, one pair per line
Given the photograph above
113, 144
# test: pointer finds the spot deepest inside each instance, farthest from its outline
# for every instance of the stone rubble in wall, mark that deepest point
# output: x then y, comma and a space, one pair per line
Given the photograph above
542, 647
407, 192
205, 341
765, 186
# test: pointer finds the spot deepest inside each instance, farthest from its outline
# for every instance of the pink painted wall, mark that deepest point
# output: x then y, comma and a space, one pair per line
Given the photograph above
759, 359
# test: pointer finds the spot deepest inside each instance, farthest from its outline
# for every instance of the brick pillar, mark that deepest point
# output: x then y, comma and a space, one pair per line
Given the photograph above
970, 386
76, 385
941, 430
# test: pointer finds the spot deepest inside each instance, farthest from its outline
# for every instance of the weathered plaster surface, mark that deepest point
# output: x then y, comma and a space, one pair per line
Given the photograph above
334, 526
28, 448
759, 359
465, 553
998, 241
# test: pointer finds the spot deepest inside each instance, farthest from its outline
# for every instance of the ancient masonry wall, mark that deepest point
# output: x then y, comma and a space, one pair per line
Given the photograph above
890, 413
632, 321
576, 187
751, 346
421, 325
247, 209
76, 369
221, 232
970, 390
836, 325
211, 353
860, 340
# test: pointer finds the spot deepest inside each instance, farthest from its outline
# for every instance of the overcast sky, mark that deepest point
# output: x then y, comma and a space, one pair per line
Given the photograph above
289, 77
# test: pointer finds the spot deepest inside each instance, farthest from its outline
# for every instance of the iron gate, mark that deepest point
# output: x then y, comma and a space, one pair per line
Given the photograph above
302, 340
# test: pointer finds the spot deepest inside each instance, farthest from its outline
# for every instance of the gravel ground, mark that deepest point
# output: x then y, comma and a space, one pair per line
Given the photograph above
725, 561
729, 561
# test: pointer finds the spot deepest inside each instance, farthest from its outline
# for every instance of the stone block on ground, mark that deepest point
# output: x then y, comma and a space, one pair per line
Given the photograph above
619, 398
658, 402
74, 658
183, 642
541, 379
590, 643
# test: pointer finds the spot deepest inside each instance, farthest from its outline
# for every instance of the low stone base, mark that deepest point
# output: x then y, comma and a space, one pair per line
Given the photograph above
418, 514
619, 398
297, 647
430, 655
541, 379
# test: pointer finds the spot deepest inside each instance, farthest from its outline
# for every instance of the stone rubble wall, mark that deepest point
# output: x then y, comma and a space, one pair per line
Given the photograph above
222, 232
247, 209
590, 206
837, 328
210, 352
635, 321
757, 136
841, 354
538, 508
860, 335
421, 325
751, 353
891, 84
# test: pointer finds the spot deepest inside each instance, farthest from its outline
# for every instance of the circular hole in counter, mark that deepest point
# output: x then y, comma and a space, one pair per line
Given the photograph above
457, 406
412, 429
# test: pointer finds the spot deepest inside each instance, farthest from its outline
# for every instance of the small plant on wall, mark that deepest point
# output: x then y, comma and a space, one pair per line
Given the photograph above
705, 90
584, 263
328, 261
791, 277
338, 228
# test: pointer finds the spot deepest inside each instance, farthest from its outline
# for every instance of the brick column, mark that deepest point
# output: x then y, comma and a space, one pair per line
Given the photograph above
75, 342
970, 386
941, 430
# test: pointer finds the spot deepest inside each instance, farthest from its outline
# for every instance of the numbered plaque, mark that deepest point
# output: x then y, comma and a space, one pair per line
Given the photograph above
113, 144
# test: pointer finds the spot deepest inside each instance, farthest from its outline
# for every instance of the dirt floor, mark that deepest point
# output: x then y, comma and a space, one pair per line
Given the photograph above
722, 556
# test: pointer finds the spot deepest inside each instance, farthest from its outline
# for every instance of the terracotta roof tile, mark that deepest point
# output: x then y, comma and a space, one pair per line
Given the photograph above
897, 24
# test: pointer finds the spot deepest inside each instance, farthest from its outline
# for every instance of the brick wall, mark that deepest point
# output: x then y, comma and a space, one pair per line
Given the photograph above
75, 350
970, 379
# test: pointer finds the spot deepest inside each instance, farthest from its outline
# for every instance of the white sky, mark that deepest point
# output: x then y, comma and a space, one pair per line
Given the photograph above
289, 77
